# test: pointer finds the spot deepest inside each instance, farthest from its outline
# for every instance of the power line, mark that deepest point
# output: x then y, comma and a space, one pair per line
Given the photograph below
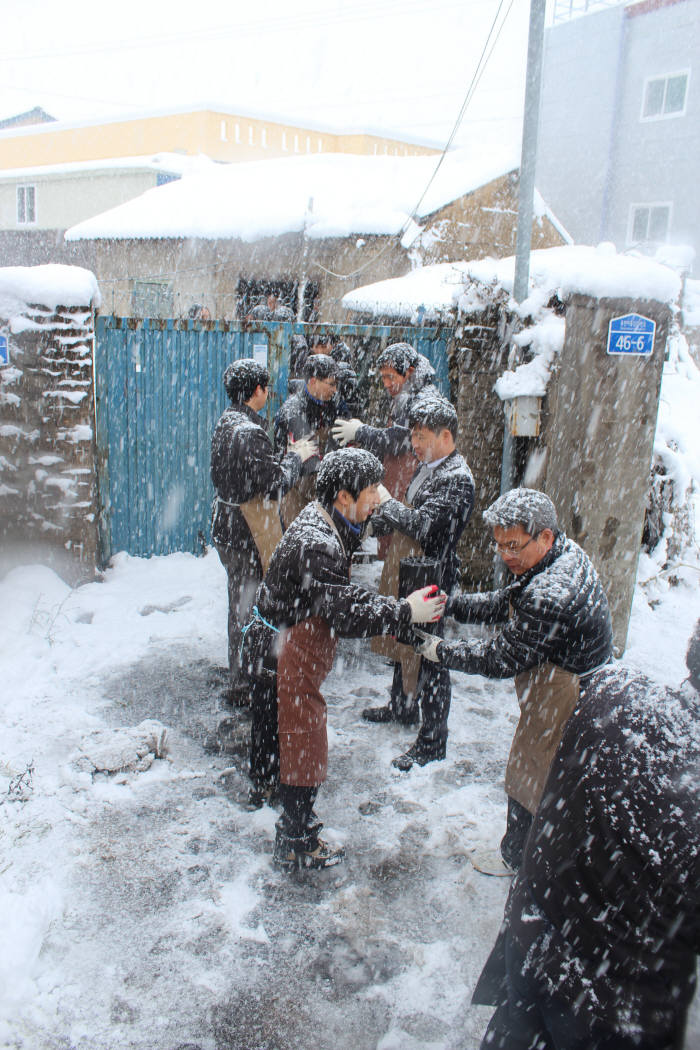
478, 72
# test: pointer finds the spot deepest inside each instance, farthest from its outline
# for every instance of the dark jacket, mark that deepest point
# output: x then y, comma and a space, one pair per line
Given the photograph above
395, 438
441, 509
557, 612
606, 906
244, 465
301, 416
309, 576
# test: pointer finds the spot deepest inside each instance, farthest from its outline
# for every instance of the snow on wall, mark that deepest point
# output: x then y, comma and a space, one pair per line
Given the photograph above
47, 457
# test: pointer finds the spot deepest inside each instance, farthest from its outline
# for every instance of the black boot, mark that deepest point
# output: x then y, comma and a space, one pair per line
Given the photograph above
402, 708
297, 844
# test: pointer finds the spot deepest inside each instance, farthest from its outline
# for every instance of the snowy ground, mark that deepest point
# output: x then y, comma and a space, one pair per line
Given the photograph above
141, 910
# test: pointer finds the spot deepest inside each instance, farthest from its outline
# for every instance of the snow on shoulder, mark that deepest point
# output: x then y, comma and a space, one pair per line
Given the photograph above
51, 286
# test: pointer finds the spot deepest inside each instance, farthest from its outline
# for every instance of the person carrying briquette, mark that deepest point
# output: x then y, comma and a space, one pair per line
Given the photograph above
309, 413
405, 375
553, 631
304, 604
599, 946
437, 507
249, 480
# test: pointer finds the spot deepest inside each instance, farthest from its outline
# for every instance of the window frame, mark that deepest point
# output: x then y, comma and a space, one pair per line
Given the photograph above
24, 186
665, 77
633, 208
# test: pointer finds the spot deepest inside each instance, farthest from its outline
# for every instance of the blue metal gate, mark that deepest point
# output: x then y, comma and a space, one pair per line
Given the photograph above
158, 396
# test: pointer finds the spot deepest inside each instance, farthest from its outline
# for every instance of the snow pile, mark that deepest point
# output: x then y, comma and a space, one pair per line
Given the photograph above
325, 195
168, 163
691, 304
128, 749
49, 286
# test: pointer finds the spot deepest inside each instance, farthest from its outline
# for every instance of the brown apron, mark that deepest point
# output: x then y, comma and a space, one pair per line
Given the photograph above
398, 471
306, 656
401, 546
547, 696
263, 519
305, 490
305, 660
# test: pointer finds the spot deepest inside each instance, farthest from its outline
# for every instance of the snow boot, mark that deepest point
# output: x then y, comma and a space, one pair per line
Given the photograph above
295, 854
418, 756
263, 793
386, 714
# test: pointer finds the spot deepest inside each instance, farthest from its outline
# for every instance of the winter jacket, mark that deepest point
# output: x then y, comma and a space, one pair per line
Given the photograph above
395, 438
606, 908
309, 576
436, 520
243, 465
557, 613
302, 415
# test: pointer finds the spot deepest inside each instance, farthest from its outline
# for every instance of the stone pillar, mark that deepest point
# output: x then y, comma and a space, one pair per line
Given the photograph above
48, 484
482, 359
600, 438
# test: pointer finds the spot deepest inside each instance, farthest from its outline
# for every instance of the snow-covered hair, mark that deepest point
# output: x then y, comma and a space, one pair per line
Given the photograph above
242, 379
532, 510
320, 366
342, 353
352, 469
399, 356
433, 413
692, 657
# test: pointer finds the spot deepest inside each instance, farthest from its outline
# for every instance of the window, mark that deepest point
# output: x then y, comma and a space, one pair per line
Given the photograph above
152, 299
649, 223
665, 96
222, 131
296, 143
26, 204
263, 138
237, 133
284, 140
251, 135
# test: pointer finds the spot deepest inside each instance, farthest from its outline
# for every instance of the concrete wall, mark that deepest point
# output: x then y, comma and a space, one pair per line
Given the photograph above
48, 504
480, 224
207, 272
576, 118
600, 441
62, 200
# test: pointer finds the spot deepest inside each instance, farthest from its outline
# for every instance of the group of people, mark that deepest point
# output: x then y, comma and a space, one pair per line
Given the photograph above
288, 516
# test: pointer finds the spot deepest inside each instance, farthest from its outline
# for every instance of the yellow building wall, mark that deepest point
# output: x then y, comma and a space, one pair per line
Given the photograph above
221, 136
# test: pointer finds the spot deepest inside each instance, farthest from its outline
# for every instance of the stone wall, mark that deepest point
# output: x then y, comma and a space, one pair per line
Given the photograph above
48, 488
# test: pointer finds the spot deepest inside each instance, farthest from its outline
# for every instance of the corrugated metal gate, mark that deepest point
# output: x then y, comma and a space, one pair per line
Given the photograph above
158, 395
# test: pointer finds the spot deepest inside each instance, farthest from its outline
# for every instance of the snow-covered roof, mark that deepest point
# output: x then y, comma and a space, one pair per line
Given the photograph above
329, 195
51, 286
599, 272
171, 163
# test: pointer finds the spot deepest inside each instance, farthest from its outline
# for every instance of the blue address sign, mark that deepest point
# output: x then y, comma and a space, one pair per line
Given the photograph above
4, 352
631, 334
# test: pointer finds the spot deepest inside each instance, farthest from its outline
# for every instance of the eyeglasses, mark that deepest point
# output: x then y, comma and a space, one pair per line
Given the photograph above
512, 548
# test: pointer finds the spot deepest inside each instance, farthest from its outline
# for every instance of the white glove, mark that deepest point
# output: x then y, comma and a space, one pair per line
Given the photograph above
344, 430
427, 604
305, 448
427, 648
384, 494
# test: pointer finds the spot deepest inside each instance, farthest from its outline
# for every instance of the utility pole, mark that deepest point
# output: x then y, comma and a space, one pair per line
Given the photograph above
528, 160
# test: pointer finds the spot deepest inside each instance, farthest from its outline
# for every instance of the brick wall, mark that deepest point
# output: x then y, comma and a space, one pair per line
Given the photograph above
48, 505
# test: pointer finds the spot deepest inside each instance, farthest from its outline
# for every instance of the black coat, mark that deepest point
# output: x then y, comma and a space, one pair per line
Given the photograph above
244, 465
302, 416
606, 906
441, 509
557, 612
309, 576
395, 438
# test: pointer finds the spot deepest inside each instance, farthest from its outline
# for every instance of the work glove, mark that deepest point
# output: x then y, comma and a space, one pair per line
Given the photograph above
344, 430
427, 646
384, 494
427, 604
304, 448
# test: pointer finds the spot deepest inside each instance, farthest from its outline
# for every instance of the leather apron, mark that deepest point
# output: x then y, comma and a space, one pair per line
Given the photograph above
305, 659
304, 492
398, 471
547, 697
401, 546
263, 519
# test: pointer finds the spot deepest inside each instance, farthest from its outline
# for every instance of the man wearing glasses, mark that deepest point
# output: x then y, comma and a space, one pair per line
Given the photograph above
555, 631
